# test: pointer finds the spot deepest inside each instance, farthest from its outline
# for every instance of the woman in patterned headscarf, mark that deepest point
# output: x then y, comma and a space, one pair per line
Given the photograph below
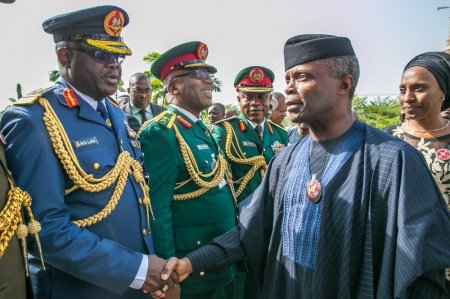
424, 93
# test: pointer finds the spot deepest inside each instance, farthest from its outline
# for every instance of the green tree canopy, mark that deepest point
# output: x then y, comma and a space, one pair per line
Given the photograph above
378, 112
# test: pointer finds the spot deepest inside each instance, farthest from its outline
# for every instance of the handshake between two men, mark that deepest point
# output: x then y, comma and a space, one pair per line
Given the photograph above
163, 277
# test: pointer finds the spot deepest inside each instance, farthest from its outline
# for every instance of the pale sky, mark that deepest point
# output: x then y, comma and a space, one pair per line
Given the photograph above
386, 34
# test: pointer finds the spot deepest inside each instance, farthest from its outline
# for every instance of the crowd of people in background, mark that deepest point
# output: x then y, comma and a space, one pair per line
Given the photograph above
127, 198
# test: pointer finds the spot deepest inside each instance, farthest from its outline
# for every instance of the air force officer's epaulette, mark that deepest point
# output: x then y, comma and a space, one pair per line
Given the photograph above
32, 97
278, 126
165, 119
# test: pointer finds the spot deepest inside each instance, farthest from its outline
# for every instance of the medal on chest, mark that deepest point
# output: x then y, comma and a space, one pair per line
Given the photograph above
314, 189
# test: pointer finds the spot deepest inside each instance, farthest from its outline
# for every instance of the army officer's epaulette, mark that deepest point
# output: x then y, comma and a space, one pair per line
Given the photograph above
278, 126
165, 119
32, 97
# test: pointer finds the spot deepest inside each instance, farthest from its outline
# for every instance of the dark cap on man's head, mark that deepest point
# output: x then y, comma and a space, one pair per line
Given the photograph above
185, 56
95, 28
309, 47
7, 1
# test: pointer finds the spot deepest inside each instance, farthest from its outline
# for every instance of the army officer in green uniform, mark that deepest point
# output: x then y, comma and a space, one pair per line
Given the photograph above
249, 141
189, 191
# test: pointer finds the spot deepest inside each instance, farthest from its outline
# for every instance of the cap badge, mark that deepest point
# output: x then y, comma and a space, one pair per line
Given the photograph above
256, 74
202, 51
113, 23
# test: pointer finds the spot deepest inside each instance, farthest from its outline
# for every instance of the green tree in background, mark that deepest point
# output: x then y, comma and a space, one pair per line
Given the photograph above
378, 112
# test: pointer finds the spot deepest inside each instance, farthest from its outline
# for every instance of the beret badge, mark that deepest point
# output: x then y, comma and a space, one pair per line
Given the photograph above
113, 23
256, 74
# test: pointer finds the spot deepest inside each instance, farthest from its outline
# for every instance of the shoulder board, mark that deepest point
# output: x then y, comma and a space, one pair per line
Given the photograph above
113, 102
225, 119
278, 126
165, 119
32, 97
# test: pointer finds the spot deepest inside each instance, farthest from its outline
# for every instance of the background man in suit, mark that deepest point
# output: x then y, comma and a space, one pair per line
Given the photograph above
69, 148
140, 106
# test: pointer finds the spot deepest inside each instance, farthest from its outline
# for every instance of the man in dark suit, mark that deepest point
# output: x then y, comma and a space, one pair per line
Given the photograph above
69, 147
140, 107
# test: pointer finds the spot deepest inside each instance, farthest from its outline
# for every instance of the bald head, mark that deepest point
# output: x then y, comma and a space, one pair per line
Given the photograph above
279, 113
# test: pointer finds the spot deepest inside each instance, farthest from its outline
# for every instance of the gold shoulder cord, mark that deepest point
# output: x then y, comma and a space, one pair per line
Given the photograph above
257, 162
125, 166
11, 221
196, 175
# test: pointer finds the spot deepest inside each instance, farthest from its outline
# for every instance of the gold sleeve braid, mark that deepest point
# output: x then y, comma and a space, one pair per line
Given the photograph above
11, 221
196, 175
257, 162
125, 165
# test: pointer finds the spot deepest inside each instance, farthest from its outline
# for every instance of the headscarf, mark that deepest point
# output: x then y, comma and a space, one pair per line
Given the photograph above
438, 64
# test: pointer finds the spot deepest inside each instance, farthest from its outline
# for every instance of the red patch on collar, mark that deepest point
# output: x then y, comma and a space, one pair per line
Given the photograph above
70, 97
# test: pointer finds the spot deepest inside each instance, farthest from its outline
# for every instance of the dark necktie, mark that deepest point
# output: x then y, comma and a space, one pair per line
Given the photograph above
143, 115
103, 112
258, 130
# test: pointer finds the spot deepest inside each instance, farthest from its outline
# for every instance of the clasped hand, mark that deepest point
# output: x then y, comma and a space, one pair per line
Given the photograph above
163, 277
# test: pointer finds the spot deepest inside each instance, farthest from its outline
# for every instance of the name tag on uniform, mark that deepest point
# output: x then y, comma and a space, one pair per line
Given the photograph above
87, 142
249, 143
202, 147
222, 183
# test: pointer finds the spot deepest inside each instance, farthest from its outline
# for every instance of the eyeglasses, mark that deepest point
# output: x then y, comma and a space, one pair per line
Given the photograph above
139, 92
201, 75
101, 56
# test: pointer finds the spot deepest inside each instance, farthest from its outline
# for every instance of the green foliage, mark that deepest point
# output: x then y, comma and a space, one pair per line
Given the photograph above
378, 112
53, 75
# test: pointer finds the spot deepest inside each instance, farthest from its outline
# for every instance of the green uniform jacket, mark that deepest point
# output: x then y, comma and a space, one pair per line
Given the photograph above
246, 139
12, 268
181, 226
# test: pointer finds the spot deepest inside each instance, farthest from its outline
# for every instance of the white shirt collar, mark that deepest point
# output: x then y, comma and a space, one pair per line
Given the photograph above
135, 110
185, 112
255, 124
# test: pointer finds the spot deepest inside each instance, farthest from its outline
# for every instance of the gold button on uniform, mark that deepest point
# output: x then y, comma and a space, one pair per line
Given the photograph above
202, 273
144, 232
96, 166
140, 201
199, 242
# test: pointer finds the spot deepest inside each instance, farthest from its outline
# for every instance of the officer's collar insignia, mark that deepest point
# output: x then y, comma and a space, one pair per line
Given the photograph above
270, 128
242, 126
276, 146
108, 122
70, 97
202, 51
3, 139
113, 23
184, 122
256, 75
